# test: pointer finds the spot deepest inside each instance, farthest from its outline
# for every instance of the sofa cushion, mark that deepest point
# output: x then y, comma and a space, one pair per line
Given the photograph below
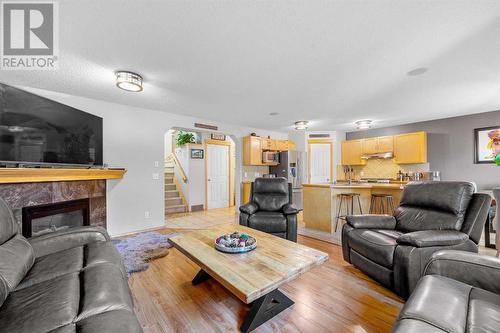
101, 253
16, 259
54, 265
484, 311
110, 322
42, 307
271, 222
103, 289
433, 205
376, 245
270, 194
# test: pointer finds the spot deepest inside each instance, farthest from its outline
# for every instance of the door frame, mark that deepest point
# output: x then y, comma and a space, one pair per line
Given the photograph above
319, 141
230, 147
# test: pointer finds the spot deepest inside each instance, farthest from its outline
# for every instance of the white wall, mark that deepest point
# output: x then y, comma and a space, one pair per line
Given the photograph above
134, 139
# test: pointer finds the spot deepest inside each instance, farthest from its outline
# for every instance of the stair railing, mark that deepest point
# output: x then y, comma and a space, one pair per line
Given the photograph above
183, 175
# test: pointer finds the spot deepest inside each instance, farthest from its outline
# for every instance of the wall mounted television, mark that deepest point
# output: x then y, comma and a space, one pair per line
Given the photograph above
36, 130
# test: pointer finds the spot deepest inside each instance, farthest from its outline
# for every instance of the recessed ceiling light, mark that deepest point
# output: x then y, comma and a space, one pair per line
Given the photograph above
274, 113
363, 124
417, 71
129, 81
301, 125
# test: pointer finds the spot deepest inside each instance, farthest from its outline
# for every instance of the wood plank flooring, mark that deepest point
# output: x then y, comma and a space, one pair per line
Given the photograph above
334, 297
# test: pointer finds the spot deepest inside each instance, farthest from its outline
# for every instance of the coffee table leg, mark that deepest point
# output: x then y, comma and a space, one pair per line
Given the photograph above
202, 276
264, 309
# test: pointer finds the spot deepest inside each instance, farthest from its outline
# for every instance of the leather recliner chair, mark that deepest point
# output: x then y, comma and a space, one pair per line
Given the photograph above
459, 293
432, 216
270, 208
67, 281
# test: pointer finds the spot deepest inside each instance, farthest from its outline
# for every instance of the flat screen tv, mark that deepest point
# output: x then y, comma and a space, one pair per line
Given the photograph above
36, 130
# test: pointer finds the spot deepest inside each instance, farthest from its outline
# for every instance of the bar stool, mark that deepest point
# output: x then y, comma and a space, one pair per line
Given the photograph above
348, 198
380, 201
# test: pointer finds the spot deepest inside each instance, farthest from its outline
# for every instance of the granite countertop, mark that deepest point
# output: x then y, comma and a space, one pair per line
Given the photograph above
357, 185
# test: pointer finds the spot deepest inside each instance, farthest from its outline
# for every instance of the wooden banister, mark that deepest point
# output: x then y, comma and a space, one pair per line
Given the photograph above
173, 157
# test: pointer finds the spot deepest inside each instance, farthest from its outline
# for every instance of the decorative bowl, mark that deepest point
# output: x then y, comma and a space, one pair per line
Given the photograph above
235, 243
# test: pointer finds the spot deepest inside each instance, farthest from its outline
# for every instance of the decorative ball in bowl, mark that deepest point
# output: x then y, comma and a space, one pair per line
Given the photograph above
235, 243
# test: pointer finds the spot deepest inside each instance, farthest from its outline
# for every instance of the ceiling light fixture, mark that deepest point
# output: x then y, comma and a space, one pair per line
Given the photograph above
301, 125
274, 113
129, 81
363, 124
417, 71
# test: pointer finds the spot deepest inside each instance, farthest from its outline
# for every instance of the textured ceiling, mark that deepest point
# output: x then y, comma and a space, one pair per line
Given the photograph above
330, 62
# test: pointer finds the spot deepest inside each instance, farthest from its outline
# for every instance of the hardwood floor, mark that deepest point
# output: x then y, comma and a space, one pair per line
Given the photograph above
334, 297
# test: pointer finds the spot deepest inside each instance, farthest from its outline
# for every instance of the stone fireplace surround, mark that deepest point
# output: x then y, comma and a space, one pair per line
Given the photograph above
19, 195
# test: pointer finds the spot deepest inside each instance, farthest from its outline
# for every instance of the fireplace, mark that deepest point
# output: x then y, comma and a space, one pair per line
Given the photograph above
42, 219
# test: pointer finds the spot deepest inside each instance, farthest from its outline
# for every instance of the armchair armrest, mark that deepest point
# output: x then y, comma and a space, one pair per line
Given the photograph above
371, 221
477, 270
290, 209
249, 208
428, 238
66, 239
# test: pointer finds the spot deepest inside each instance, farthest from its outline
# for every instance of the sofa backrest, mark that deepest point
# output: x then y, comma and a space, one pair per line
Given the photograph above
433, 206
270, 194
476, 215
16, 254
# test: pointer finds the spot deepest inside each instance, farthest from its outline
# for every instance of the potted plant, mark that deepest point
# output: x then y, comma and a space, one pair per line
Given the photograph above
183, 138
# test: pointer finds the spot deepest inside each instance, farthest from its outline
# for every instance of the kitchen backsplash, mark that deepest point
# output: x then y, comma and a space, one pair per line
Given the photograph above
384, 168
250, 172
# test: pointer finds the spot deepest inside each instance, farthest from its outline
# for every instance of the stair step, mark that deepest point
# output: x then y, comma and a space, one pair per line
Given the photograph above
173, 201
170, 187
175, 209
169, 181
172, 194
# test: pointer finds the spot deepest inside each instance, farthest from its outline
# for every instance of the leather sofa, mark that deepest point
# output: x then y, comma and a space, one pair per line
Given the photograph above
460, 292
432, 216
270, 208
64, 282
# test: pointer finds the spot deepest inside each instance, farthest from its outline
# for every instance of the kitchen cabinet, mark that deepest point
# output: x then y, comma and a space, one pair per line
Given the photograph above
252, 150
351, 152
282, 145
410, 148
382, 144
253, 146
247, 187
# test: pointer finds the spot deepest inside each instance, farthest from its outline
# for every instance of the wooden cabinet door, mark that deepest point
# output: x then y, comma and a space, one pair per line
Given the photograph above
385, 144
282, 145
268, 144
410, 148
351, 152
252, 150
291, 145
370, 146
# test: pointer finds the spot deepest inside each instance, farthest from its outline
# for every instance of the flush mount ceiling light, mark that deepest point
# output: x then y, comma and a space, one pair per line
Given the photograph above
417, 71
301, 125
274, 113
363, 124
129, 81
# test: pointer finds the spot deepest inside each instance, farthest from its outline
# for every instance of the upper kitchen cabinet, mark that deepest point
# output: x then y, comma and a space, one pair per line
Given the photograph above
410, 148
253, 146
382, 144
351, 152
252, 150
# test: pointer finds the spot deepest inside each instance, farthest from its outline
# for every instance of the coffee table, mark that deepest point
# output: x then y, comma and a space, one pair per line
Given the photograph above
253, 277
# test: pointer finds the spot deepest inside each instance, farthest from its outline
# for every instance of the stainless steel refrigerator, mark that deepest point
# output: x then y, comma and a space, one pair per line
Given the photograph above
292, 166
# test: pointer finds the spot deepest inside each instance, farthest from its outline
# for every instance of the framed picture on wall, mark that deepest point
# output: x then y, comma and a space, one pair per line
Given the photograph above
197, 153
216, 136
486, 144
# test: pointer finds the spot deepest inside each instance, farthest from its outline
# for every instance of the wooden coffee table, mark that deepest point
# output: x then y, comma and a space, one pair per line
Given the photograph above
253, 277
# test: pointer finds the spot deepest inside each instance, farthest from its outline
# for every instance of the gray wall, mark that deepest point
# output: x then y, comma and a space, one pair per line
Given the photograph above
450, 146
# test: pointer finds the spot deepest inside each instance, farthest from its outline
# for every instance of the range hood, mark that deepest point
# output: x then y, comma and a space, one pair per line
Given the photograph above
378, 156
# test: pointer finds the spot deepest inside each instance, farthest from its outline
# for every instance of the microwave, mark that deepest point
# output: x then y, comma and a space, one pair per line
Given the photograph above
270, 157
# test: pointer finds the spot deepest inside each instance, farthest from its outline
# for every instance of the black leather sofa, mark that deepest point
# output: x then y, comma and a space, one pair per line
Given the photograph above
432, 216
270, 208
459, 293
64, 282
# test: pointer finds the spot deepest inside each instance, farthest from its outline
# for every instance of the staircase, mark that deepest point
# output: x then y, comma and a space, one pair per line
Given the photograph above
173, 199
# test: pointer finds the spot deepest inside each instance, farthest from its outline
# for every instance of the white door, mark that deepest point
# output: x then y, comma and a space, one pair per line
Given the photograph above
320, 162
217, 176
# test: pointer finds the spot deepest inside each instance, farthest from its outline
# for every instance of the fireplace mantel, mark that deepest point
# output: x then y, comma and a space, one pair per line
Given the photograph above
33, 175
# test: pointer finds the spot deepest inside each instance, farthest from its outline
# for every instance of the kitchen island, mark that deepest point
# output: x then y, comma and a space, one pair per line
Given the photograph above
321, 204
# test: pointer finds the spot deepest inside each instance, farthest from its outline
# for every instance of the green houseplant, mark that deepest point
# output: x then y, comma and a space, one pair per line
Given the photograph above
184, 137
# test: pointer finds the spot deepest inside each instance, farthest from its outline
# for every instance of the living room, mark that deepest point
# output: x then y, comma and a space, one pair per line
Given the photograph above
270, 166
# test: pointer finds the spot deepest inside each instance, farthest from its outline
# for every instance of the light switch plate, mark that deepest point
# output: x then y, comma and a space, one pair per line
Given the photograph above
156, 176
